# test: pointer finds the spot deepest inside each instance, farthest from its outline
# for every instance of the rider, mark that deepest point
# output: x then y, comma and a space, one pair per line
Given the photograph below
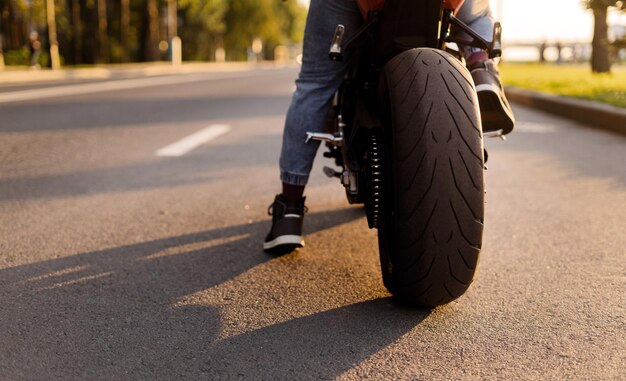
320, 78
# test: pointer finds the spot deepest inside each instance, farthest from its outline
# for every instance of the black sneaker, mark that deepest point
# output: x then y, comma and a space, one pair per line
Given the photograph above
286, 233
495, 111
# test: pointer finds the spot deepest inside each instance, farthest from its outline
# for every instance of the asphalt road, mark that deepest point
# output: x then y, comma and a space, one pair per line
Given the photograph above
118, 263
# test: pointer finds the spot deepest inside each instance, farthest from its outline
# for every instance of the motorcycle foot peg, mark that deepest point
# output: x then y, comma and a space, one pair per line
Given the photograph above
334, 139
328, 171
495, 134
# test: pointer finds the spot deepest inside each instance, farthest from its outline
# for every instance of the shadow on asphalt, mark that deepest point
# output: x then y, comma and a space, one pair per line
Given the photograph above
321, 346
111, 314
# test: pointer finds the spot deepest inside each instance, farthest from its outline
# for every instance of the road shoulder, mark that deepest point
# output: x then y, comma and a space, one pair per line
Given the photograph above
594, 114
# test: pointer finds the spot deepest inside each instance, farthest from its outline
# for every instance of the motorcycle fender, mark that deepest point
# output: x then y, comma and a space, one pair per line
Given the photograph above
453, 4
370, 5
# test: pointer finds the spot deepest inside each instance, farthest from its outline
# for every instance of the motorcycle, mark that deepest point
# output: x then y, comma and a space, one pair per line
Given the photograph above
405, 130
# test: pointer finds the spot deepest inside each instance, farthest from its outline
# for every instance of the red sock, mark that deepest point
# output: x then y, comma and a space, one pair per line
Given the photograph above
477, 57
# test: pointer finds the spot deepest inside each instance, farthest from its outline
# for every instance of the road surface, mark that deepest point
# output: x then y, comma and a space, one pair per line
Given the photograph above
130, 250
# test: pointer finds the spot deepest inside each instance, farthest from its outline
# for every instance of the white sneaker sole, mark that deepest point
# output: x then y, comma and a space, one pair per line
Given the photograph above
487, 87
284, 240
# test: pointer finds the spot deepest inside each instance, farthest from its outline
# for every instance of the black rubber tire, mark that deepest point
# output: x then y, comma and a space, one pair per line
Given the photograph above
431, 233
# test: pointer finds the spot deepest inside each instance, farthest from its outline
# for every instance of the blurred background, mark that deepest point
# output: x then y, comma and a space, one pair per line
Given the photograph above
122, 31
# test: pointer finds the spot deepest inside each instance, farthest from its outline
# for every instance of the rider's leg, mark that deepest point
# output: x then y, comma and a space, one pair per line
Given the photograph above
496, 113
318, 80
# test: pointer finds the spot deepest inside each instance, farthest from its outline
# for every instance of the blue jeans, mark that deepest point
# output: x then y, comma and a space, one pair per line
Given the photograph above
320, 77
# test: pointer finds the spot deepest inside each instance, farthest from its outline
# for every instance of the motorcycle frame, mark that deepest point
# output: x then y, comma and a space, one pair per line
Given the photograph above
360, 105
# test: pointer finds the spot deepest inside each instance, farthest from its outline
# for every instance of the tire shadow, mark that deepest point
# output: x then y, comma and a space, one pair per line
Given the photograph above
320, 346
112, 313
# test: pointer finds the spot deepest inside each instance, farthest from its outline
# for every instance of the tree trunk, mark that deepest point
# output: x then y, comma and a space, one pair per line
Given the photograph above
125, 30
52, 35
152, 48
600, 61
103, 34
77, 34
1, 53
172, 20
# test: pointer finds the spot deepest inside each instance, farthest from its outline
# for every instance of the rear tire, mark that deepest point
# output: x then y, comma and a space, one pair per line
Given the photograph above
430, 234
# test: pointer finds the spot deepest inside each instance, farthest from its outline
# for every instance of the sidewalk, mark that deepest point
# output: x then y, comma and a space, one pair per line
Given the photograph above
16, 76
595, 114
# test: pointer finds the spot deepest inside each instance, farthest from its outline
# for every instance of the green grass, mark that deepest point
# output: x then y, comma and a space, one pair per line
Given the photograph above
569, 80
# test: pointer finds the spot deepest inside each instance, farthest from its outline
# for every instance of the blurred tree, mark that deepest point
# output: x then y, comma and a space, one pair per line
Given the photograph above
19, 18
600, 57
152, 37
125, 29
103, 33
52, 35
77, 33
273, 22
36, 10
246, 20
289, 17
203, 25
90, 31
294, 17
172, 19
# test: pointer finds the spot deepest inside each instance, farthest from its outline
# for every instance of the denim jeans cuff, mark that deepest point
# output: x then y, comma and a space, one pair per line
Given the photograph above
293, 179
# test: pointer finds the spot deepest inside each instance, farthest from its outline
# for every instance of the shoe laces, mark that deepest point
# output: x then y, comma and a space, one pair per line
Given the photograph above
271, 208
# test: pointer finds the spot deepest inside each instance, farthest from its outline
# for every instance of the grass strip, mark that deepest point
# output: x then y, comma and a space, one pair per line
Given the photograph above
569, 80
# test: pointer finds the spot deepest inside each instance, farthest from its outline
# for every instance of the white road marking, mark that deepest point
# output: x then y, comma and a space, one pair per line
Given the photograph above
535, 128
193, 141
88, 88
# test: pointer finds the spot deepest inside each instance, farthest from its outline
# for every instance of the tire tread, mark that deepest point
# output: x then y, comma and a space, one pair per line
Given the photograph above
432, 249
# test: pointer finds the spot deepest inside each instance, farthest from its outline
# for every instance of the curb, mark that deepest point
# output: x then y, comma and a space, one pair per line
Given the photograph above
595, 114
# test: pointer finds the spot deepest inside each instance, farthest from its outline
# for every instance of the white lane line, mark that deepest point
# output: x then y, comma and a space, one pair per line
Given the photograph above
193, 141
124, 84
535, 128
